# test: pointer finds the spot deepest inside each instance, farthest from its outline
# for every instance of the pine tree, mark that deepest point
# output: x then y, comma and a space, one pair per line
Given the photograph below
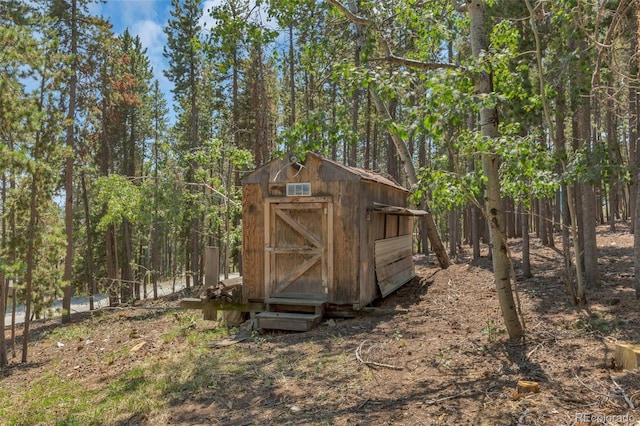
185, 58
30, 125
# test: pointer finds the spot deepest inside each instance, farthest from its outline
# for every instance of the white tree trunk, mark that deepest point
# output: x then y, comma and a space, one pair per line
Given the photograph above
490, 165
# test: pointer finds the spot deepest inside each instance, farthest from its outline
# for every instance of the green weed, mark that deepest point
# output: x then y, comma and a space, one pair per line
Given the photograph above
492, 331
597, 323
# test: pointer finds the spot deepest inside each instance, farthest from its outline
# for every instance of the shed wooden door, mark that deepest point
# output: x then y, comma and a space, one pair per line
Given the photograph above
299, 251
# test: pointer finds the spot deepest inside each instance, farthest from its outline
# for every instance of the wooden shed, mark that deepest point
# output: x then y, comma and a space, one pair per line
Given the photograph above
317, 233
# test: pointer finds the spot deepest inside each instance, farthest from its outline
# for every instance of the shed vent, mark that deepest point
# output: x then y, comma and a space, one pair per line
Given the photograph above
298, 189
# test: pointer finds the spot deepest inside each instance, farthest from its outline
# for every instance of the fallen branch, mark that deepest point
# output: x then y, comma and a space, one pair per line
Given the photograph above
606, 395
373, 364
624, 394
528, 356
447, 398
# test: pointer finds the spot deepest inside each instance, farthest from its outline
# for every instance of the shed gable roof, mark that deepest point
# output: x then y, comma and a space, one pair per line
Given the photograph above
364, 174
262, 172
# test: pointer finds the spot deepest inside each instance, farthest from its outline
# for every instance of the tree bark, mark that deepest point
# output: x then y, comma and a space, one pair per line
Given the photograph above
490, 163
636, 218
452, 215
589, 206
68, 168
4, 287
355, 104
292, 79
89, 230
32, 232
30, 262
526, 260
614, 156
634, 121
126, 287
542, 229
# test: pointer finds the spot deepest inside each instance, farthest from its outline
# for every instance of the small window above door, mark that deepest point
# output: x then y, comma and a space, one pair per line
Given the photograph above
299, 189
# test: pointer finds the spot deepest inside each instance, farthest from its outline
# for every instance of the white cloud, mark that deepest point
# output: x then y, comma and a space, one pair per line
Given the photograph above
154, 39
151, 36
145, 19
206, 22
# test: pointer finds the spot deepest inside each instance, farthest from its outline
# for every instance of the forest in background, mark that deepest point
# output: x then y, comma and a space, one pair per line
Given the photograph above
524, 110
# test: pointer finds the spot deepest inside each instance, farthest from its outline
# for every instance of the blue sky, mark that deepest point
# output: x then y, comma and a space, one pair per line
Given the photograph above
146, 19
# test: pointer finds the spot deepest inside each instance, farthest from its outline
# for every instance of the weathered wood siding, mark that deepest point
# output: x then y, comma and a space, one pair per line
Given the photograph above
378, 226
253, 241
394, 263
346, 242
354, 231
344, 188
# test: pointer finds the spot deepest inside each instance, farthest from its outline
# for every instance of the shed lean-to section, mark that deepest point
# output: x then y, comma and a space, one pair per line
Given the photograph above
320, 233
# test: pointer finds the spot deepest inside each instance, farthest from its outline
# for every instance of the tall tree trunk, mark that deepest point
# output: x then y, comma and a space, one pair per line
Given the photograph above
582, 135
12, 255
292, 79
355, 104
4, 282
334, 120
68, 168
526, 260
392, 149
490, 163
367, 146
475, 231
452, 214
265, 126
126, 286
109, 260
127, 290
374, 146
422, 162
30, 262
195, 144
89, 230
634, 101
475, 211
32, 232
510, 222
614, 156
452, 217
546, 222
542, 230
153, 240
636, 217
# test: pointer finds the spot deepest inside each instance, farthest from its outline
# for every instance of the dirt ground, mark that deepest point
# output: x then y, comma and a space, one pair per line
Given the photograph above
434, 352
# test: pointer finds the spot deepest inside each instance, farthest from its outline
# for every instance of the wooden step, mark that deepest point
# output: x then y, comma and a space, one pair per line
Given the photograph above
287, 321
280, 304
295, 301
